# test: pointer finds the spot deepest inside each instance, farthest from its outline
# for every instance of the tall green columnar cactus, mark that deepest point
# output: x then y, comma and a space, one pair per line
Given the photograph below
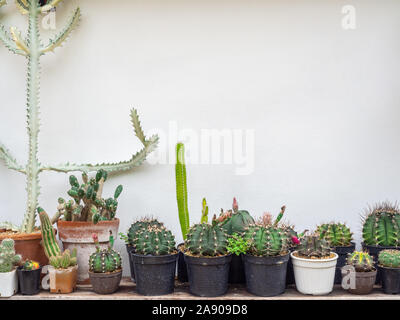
8, 258
181, 189
50, 244
32, 49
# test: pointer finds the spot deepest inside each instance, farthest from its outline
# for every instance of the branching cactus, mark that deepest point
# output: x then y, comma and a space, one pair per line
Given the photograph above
337, 234
156, 241
266, 241
311, 246
8, 258
235, 220
181, 189
65, 260
381, 225
389, 258
106, 260
140, 225
361, 261
207, 240
30, 47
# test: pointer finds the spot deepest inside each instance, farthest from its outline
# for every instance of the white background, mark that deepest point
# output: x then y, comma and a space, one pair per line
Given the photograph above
323, 101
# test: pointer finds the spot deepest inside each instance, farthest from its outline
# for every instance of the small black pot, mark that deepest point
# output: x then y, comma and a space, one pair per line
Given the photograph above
105, 283
374, 251
29, 281
266, 276
290, 273
130, 249
236, 271
155, 275
208, 277
182, 269
390, 280
342, 252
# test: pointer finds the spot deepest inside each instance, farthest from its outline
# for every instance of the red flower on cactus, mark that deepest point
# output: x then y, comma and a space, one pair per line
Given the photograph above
235, 205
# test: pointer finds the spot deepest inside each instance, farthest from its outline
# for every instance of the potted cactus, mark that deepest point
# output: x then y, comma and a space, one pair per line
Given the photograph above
381, 230
105, 268
389, 265
154, 259
314, 266
29, 277
27, 236
364, 272
207, 259
339, 238
8, 274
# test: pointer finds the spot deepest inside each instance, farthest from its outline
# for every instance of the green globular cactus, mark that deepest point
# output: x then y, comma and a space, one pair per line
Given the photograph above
8, 258
235, 220
361, 261
64, 260
50, 244
181, 189
156, 241
381, 225
336, 234
32, 49
207, 240
139, 225
389, 258
106, 260
266, 241
311, 246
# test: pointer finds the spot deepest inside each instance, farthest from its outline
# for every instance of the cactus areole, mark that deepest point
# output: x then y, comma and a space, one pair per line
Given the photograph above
32, 49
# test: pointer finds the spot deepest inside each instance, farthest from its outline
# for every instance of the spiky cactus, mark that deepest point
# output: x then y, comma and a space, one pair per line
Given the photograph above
389, 258
106, 260
64, 260
207, 240
153, 240
235, 220
50, 244
266, 241
336, 234
181, 189
361, 261
30, 265
381, 225
32, 49
139, 225
8, 258
311, 246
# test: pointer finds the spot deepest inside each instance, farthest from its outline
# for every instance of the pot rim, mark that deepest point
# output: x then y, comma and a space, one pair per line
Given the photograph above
85, 223
352, 244
379, 246
22, 270
389, 268
105, 275
208, 257
21, 236
9, 273
151, 256
69, 269
314, 260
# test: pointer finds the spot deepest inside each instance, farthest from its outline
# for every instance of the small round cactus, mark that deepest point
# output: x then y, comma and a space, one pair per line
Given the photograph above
336, 234
312, 247
236, 221
361, 261
154, 240
389, 258
141, 225
207, 240
106, 260
30, 265
8, 258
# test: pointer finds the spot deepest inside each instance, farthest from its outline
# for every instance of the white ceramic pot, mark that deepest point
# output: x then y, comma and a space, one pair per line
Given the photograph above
8, 284
314, 276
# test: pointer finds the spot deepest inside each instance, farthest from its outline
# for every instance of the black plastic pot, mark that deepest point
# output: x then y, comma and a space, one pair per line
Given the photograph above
29, 281
236, 271
130, 249
208, 277
182, 269
374, 251
290, 273
265, 276
342, 252
155, 275
390, 280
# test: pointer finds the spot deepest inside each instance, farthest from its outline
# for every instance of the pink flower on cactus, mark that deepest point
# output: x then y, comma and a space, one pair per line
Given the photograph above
95, 237
235, 205
295, 240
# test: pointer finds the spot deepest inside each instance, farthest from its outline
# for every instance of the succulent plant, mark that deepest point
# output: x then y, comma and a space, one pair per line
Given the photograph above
8, 258
139, 225
235, 220
30, 265
311, 246
50, 244
106, 260
181, 189
389, 258
154, 240
266, 240
381, 225
207, 240
336, 234
361, 261
64, 260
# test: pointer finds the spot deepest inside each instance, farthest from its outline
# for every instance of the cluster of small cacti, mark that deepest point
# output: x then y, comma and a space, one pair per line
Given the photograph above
361, 261
8, 257
30, 265
311, 246
235, 220
64, 260
139, 225
336, 234
389, 258
154, 240
105, 260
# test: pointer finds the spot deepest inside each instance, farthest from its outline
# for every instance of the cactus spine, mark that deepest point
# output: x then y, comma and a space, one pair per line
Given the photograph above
266, 240
8, 258
32, 49
50, 244
389, 258
155, 241
181, 189
361, 261
336, 234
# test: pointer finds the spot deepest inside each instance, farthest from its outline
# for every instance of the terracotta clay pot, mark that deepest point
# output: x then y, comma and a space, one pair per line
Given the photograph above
63, 280
105, 283
79, 235
28, 245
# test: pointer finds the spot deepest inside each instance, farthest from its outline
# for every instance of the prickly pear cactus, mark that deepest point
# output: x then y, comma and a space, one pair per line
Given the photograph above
207, 240
236, 221
8, 258
266, 241
389, 258
140, 225
106, 260
311, 246
361, 261
156, 241
381, 225
336, 234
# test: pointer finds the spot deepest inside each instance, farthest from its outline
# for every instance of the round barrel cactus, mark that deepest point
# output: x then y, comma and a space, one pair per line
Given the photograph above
140, 225
311, 246
236, 221
207, 240
154, 240
266, 240
381, 225
389, 258
106, 260
361, 261
336, 234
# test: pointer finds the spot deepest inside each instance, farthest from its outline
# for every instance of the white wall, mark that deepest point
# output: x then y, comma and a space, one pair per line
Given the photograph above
323, 101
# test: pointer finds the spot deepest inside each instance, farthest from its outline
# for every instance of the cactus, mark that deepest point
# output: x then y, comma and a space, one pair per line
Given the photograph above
88, 204
311, 246
156, 241
381, 225
139, 225
106, 260
65, 260
204, 211
389, 258
235, 220
8, 258
207, 240
336, 234
30, 265
50, 244
266, 241
181, 189
361, 261
32, 49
